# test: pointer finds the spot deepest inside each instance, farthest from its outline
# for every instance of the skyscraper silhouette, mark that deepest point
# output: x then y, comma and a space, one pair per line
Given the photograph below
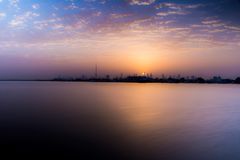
96, 71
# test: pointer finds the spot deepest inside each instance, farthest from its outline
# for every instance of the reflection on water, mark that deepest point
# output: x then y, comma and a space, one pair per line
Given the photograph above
120, 121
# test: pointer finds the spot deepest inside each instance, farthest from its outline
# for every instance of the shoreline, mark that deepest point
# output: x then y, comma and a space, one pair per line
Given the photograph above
92, 81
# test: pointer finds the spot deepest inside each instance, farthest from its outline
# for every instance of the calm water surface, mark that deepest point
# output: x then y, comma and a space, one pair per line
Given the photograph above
120, 120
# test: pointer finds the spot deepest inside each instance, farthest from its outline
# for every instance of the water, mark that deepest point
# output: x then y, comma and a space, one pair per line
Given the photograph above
120, 120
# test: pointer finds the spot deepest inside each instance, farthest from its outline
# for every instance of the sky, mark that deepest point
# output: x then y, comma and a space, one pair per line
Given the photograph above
49, 38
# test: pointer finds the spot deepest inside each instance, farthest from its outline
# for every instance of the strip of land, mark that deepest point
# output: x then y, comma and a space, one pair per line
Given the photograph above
150, 79
139, 79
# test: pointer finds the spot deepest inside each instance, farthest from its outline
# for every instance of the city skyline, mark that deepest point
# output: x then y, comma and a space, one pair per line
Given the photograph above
42, 39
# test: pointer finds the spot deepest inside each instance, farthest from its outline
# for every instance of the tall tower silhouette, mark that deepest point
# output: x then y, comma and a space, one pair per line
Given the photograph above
96, 71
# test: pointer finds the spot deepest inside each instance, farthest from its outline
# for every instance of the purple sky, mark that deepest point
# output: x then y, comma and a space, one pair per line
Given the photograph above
44, 39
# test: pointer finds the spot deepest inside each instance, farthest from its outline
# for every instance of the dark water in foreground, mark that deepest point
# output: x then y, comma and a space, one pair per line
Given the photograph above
119, 121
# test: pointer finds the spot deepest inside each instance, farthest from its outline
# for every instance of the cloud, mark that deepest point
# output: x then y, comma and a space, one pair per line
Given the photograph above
14, 3
117, 16
175, 6
193, 6
213, 22
168, 5
36, 6
19, 20
167, 13
175, 9
95, 20
46, 23
233, 28
2, 15
72, 6
58, 26
217, 28
97, 14
210, 22
55, 8
141, 2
